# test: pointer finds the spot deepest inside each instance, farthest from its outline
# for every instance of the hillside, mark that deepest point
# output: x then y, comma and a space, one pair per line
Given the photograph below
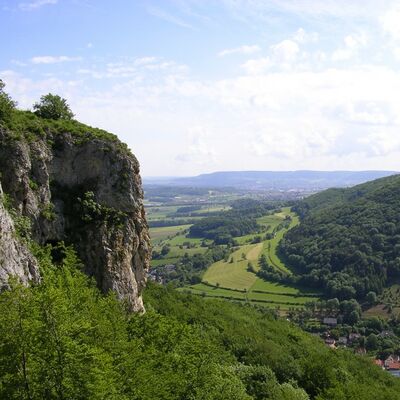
348, 242
63, 339
274, 180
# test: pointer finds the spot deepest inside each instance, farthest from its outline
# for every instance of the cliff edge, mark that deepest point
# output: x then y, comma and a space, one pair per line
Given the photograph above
79, 185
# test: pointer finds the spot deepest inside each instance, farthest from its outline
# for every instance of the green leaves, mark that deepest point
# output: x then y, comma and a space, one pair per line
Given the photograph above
62, 339
53, 107
7, 105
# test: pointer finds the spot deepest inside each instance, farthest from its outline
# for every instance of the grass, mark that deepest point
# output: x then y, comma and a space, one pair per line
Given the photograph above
158, 234
228, 280
389, 297
235, 274
271, 246
233, 281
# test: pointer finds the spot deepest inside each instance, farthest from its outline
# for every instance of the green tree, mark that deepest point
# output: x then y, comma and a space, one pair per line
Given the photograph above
371, 298
53, 107
372, 342
353, 318
7, 105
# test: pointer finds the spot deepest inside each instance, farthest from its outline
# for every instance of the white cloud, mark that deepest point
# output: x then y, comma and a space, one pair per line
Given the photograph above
352, 44
279, 118
285, 51
246, 49
391, 22
34, 5
257, 66
262, 9
198, 150
166, 16
53, 59
301, 36
282, 54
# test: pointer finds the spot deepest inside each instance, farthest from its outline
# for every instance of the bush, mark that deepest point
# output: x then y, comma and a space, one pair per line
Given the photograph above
53, 107
7, 105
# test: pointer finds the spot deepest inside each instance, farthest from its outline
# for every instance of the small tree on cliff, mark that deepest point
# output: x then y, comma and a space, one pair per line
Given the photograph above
53, 107
7, 105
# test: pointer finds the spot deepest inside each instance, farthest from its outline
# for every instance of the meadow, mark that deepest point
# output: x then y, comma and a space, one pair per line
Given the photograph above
234, 279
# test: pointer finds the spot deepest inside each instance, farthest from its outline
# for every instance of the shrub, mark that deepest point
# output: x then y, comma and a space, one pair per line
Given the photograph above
53, 107
7, 105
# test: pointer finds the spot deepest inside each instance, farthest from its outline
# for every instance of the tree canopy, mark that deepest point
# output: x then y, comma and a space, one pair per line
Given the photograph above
7, 105
348, 242
53, 106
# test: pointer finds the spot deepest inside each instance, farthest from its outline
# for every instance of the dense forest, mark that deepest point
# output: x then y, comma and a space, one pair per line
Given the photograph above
241, 220
62, 339
348, 242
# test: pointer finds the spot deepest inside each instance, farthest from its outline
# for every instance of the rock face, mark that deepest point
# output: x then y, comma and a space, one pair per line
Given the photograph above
84, 190
15, 258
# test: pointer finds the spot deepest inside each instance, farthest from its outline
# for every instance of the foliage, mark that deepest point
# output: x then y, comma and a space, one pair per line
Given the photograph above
62, 339
241, 220
91, 211
27, 125
22, 224
348, 242
53, 107
7, 105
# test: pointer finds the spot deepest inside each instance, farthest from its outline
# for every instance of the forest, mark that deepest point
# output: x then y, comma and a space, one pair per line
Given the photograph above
222, 227
348, 242
63, 339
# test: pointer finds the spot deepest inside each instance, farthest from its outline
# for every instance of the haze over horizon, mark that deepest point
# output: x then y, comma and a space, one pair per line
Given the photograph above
195, 87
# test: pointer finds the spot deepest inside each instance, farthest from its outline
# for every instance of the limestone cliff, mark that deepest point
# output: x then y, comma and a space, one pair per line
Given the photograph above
82, 186
15, 258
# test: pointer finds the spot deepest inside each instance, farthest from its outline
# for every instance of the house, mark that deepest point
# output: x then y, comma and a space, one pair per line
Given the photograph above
330, 342
379, 363
169, 267
354, 336
385, 334
393, 366
330, 321
343, 340
391, 360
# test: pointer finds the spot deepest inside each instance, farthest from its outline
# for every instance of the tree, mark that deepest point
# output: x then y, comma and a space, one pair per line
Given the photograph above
7, 105
372, 342
371, 298
165, 250
353, 318
53, 107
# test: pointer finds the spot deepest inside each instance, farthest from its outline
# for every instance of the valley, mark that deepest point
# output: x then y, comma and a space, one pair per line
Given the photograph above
235, 276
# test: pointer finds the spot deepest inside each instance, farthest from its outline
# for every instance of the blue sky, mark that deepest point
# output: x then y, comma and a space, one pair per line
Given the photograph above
203, 85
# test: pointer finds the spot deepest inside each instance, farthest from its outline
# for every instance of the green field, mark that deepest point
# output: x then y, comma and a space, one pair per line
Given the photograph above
232, 279
234, 274
158, 234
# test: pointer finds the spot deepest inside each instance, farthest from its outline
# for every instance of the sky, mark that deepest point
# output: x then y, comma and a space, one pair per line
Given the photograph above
196, 86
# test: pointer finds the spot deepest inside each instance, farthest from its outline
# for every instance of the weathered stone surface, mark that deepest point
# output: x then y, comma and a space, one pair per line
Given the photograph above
15, 258
46, 178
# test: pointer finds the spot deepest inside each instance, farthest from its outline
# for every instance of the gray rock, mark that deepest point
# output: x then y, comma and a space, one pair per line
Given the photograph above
47, 176
15, 258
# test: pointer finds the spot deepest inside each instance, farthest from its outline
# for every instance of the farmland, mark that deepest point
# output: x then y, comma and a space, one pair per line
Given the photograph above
234, 277
235, 280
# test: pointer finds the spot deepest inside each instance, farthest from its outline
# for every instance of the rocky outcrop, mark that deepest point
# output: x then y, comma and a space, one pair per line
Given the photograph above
84, 189
15, 258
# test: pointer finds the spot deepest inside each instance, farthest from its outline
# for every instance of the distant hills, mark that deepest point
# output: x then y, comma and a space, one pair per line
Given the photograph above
274, 180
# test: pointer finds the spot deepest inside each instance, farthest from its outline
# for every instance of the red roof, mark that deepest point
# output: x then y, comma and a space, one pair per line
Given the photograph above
394, 365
